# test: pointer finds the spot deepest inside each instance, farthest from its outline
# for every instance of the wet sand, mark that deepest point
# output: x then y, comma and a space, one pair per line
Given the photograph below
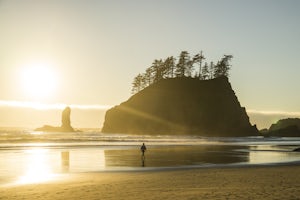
272, 182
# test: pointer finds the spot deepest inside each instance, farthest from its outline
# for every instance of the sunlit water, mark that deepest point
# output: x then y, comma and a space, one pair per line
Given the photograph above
32, 157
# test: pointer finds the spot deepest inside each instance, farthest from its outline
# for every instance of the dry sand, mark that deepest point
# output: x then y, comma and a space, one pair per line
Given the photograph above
280, 182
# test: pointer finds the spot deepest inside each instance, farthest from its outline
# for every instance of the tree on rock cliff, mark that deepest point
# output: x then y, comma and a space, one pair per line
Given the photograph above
168, 68
198, 58
138, 83
158, 69
205, 71
184, 66
222, 68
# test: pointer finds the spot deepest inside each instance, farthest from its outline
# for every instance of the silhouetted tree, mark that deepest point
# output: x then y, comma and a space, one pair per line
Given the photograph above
205, 71
217, 70
198, 58
137, 83
222, 68
189, 68
225, 60
143, 81
183, 62
211, 70
158, 70
168, 68
148, 76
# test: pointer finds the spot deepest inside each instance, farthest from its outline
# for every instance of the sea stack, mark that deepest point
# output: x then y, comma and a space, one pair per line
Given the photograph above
65, 120
182, 106
65, 123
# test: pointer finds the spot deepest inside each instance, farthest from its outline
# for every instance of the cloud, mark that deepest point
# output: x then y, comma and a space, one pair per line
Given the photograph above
264, 119
44, 106
284, 113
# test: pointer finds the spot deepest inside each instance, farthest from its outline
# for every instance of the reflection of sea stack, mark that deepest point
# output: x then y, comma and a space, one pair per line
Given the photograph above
65, 120
65, 161
65, 123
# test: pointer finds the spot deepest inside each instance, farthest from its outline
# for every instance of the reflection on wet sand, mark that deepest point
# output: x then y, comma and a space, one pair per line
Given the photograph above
167, 156
43, 164
143, 160
39, 164
65, 161
272, 154
37, 167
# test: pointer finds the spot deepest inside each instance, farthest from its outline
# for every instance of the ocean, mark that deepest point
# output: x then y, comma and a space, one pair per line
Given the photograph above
33, 156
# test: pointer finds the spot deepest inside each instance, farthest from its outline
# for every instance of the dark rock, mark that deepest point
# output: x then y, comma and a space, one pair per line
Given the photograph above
289, 127
263, 131
297, 149
182, 106
284, 123
65, 120
65, 126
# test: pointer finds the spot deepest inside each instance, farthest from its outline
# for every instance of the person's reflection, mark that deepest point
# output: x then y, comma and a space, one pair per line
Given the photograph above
143, 160
143, 149
65, 161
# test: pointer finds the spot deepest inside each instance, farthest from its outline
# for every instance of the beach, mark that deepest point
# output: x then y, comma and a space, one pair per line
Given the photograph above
262, 182
92, 165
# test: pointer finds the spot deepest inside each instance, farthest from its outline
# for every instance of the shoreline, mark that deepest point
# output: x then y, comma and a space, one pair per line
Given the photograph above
248, 182
62, 160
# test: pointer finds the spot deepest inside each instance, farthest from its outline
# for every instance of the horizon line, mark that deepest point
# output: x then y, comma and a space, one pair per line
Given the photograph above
52, 106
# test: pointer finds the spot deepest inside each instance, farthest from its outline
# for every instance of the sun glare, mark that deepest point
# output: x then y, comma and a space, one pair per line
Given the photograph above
38, 168
38, 81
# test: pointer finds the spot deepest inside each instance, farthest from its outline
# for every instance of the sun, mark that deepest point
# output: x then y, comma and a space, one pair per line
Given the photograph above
38, 81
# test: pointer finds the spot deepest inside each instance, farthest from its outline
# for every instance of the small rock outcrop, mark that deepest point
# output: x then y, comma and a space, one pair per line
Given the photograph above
297, 149
182, 106
284, 123
289, 127
65, 126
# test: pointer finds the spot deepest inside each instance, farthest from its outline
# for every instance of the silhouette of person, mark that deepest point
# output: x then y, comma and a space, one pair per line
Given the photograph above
143, 149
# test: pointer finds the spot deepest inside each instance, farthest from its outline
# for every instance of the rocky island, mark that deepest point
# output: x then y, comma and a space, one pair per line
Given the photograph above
174, 98
65, 123
182, 106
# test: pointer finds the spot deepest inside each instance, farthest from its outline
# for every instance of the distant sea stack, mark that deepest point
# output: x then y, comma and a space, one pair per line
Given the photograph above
289, 127
65, 120
65, 123
182, 106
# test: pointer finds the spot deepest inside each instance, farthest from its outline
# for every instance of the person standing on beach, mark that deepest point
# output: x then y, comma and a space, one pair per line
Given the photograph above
143, 149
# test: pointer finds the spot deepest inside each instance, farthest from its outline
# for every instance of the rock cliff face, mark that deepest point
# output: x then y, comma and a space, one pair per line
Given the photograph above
182, 106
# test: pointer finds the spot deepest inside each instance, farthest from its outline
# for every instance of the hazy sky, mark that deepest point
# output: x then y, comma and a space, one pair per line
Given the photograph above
92, 49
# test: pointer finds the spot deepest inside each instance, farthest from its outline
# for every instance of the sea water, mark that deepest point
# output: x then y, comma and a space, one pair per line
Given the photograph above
33, 156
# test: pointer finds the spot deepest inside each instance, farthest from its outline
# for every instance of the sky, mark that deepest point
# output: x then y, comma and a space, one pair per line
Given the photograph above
85, 53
